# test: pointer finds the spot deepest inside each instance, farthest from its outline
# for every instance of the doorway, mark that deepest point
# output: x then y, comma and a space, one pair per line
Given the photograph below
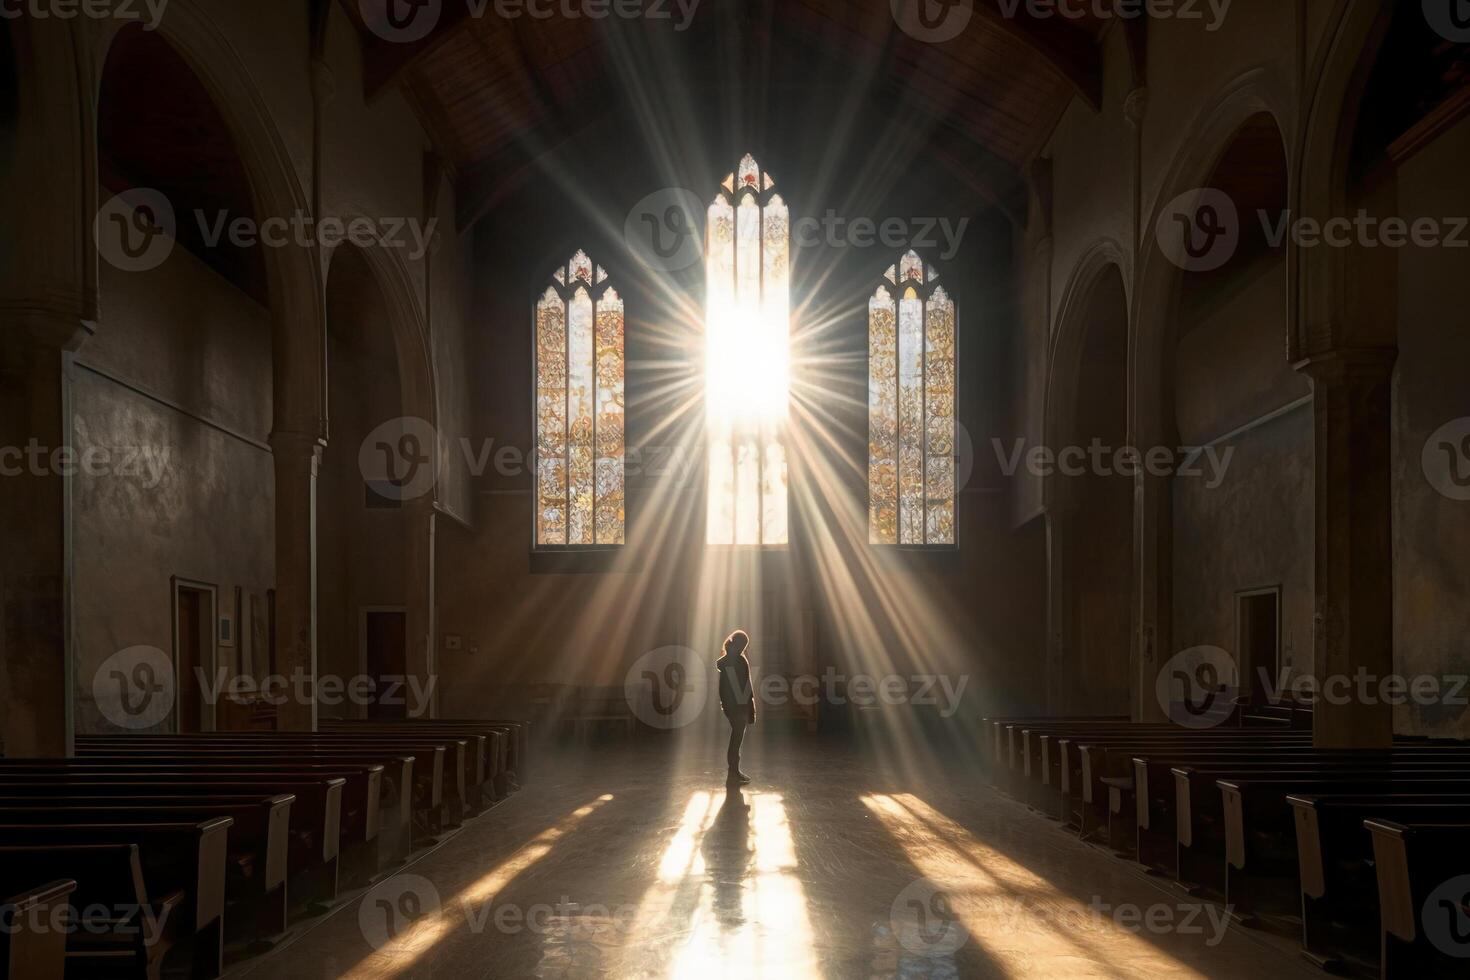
195, 654
385, 660
1258, 637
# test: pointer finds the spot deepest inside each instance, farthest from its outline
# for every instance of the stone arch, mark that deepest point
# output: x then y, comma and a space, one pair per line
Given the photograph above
50, 161
1089, 514
1155, 294
1230, 389
294, 285
406, 321
293, 272
1155, 297
1338, 80
1383, 358
1069, 331
361, 280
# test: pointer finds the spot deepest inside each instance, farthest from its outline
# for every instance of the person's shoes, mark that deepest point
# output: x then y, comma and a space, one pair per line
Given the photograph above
739, 777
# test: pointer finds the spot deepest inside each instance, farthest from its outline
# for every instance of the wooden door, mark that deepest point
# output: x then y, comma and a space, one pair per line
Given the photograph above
386, 643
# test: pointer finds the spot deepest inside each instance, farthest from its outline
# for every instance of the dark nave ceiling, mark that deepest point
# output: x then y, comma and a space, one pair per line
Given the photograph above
497, 94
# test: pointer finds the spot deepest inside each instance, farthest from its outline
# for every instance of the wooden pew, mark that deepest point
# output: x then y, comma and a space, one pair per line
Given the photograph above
1412, 863
1054, 775
33, 928
109, 877
452, 761
1339, 894
1200, 827
1012, 745
505, 752
359, 806
517, 751
1111, 758
410, 774
1032, 747
437, 778
1155, 786
258, 841
999, 726
315, 815
1260, 835
187, 857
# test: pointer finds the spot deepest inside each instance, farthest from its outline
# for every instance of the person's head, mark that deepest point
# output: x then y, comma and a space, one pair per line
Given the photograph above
736, 643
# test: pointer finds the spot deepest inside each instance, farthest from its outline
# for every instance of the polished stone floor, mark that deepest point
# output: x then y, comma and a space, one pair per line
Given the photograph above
632, 861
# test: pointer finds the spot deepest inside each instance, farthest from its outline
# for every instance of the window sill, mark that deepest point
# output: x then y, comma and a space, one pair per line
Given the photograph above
944, 557
576, 560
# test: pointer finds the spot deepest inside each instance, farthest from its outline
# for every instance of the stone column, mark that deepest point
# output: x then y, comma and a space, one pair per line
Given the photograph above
1152, 495
1060, 693
1153, 606
421, 655
1353, 624
297, 458
35, 558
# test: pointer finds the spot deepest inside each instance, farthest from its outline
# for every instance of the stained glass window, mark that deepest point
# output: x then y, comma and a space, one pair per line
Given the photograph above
579, 408
748, 333
911, 408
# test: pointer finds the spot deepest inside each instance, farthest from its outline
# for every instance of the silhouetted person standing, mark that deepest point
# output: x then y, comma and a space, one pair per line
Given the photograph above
737, 699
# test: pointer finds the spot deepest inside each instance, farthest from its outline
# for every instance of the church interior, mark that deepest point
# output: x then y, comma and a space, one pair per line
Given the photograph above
734, 488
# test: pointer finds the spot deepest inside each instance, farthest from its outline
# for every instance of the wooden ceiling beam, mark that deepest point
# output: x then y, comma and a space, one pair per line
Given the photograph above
1072, 52
385, 62
480, 188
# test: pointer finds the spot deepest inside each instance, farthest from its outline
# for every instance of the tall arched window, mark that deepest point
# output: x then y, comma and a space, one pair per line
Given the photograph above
911, 408
579, 409
748, 336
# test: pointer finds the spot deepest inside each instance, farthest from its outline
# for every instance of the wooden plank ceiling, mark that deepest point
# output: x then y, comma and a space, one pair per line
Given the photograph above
495, 93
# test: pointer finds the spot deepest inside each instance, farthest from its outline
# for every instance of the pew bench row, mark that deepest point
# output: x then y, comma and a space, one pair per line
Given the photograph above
151, 849
1361, 854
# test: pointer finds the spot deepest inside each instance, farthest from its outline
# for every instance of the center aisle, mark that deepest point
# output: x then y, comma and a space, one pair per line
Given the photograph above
632, 861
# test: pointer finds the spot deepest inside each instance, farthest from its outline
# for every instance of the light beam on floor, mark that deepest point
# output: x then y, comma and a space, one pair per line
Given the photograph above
728, 901
470, 905
1018, 918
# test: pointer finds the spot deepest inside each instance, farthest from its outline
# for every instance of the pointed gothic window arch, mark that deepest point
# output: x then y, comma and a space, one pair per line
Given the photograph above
579, 409
912, 331
748, 354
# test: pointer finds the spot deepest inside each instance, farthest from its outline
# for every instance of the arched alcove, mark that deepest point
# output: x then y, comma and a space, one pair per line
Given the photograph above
179, 377
1237, 109
1241, 505
361, 526
1089, 498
